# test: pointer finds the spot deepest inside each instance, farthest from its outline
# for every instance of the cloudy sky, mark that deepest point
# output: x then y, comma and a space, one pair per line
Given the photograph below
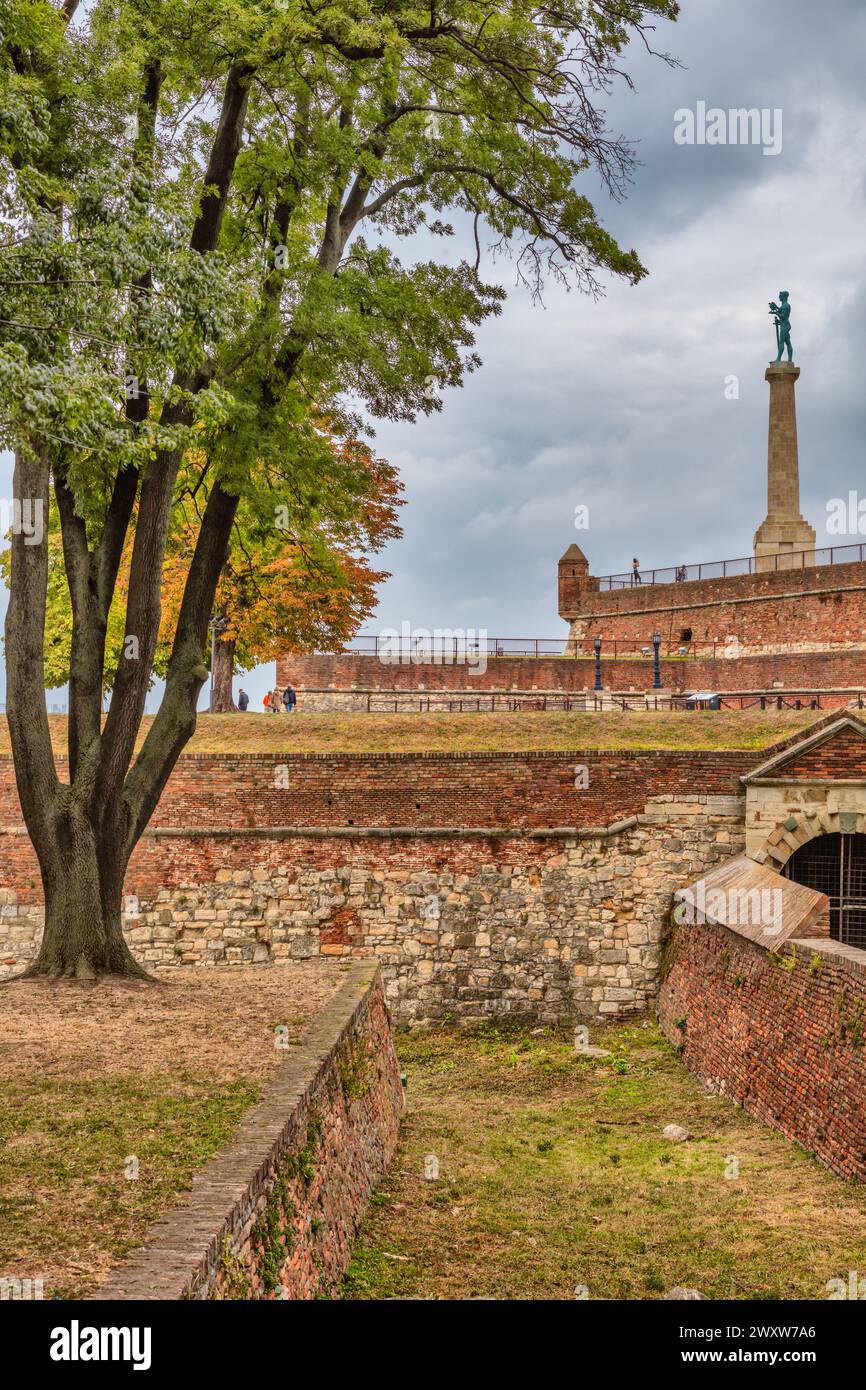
620, 405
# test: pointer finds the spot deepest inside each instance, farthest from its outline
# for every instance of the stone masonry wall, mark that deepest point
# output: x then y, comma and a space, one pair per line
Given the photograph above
549, 925
781, 1035
274, 1214
424, 791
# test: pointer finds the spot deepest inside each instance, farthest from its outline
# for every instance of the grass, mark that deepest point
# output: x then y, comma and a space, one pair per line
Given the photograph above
89, 1166
550, 730
112, 1098
555, 1182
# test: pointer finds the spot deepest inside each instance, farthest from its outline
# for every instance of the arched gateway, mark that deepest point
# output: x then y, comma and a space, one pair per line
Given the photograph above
835, 864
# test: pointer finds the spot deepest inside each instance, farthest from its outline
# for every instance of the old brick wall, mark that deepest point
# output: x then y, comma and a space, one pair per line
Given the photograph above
453, 790
842, 756
786, 610
521, 923
344, 682
275, 1213
783, 1036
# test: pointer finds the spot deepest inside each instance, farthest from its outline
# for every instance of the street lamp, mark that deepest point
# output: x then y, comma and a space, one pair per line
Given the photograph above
657, 670
597, 644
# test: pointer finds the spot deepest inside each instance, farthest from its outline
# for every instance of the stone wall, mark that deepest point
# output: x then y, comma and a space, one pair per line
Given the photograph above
234, 793
818, 790
354, 683
542, 924
782, 1035
274, 1214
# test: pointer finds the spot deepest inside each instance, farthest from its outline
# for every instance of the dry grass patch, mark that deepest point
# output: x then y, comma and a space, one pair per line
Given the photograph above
554, 1176
521, 730
93, 1078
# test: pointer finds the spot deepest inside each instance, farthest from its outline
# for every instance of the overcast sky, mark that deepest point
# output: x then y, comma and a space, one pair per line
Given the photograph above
620, 405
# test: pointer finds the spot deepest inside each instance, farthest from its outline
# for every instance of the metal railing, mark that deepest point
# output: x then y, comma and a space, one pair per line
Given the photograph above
456, 652
447, 650
613, 648
746, 564
406, 702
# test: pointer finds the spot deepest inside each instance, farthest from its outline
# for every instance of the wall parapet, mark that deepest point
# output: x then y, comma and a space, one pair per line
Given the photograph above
274, 1214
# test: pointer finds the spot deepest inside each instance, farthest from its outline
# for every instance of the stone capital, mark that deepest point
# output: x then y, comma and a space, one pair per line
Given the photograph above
781, 371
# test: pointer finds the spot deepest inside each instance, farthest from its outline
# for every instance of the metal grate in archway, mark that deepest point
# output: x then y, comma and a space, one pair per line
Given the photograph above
836, 865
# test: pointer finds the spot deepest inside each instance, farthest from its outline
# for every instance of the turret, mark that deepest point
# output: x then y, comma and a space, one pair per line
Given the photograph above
574, 580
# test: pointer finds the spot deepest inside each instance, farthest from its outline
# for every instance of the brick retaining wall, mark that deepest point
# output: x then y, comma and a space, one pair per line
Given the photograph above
415, 790
274, 1214
785, 1043
535, 925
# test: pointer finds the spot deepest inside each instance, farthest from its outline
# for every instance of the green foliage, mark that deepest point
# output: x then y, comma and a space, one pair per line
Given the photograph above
669, 950
484, 117
235, 1273
303, 1164
272, 1234
353, 1064
232, 235
787, 963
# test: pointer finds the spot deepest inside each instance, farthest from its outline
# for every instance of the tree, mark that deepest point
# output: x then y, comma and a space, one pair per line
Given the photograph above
297, 576
291, 586
202, 205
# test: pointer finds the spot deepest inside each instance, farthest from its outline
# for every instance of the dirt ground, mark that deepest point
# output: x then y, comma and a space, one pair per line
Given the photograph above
111, 1098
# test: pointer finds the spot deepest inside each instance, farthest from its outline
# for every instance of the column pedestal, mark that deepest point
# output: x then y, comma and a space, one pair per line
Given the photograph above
784, 540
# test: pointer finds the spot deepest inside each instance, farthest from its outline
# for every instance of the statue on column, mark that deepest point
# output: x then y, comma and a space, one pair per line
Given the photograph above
782, 319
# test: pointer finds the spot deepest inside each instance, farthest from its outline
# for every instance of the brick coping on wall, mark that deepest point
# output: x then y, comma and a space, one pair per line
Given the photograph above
850, 959
183, 1257
450, 756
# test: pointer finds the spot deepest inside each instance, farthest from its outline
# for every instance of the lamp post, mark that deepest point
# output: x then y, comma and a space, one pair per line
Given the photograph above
597, 644
657, 670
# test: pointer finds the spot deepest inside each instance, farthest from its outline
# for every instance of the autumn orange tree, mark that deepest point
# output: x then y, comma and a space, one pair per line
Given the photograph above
290, 584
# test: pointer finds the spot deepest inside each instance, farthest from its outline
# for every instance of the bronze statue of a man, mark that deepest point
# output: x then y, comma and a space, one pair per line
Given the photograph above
782, 318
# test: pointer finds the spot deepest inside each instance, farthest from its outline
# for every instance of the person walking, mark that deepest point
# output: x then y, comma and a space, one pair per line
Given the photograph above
635, 571
243, 700
290, 699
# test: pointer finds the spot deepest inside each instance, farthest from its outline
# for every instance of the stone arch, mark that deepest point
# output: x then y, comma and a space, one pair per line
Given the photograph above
797, 830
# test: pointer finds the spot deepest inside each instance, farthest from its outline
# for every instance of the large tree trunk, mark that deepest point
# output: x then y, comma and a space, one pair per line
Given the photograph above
83, 935
84, 832
222, 700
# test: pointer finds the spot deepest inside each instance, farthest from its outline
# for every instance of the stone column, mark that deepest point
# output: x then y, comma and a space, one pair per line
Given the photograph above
784, 532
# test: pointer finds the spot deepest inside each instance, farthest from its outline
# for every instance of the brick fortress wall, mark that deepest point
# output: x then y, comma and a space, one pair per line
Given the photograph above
484, 885
770, 613
796, 629
782, 1035
344, 682
273, 1216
